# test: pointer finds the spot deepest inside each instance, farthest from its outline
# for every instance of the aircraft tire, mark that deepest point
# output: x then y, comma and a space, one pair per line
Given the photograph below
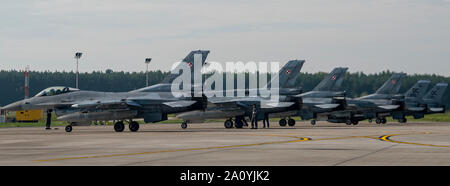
68, 128
378, 121
228, 124
282, 122
313, 122
291, 122
354, 122
348, 122
239, 124
134, 126
184, 125
119, 127
384, 121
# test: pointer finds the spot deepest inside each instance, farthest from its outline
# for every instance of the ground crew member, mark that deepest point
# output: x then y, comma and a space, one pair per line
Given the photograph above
48, 122
266, 119
254, 118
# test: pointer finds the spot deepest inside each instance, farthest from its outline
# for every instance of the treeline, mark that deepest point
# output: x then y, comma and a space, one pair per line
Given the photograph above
12, 82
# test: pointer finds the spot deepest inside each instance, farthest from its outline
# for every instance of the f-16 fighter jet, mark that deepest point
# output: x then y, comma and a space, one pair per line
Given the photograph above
413, 102
378, 105
418, 102
151, 103
324, 98
433, 99
241, 107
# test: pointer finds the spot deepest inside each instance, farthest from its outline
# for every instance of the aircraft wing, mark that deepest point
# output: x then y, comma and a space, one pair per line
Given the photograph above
247, 102
327, 106
437, 109
55, 104
105, 104
416, 108
389, 107
183, 103
226, 100
265, 104
96, 103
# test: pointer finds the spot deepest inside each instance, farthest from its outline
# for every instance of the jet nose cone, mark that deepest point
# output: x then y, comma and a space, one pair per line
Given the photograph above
16, 106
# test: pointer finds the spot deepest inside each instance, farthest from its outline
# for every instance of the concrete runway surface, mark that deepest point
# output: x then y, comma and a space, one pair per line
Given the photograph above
212, 144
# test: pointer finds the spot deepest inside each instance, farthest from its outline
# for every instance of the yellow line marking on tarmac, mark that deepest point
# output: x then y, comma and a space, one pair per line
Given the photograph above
387, 138
298, 139
343, 137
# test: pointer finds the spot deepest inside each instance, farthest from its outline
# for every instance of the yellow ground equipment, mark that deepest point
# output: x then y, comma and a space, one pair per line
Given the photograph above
29, 115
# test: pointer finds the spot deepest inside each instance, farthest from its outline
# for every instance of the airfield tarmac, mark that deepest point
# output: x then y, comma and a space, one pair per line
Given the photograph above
212, 144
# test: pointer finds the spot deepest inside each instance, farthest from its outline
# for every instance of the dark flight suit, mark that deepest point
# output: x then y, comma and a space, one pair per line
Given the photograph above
266, 119
48, 122
254, 119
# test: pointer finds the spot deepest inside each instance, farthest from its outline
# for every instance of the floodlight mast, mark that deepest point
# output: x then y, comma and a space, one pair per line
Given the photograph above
27, 81
77, 56
147, 61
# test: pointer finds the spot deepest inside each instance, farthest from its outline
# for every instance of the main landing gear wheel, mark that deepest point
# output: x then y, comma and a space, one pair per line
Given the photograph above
384, 121
370, 121
404, 120
184, 125
313, 122
228, 124
68, 128
291, 122
379, 120
348, 122
354, 122
134, 126
282, 122
239, 123
119, 127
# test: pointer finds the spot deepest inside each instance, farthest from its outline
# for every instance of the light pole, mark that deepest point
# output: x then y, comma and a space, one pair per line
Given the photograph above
77, 56
147, 61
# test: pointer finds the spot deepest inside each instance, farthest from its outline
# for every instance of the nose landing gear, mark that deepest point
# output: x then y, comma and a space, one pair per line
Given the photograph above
68, 128
184, 125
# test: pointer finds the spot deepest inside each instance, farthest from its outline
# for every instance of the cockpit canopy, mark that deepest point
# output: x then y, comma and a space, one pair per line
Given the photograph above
55, 91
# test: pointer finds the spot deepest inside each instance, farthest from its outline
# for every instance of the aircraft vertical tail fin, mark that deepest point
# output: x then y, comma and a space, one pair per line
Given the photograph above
392, 85
289, 73
189, 59
333, 81
418, 90
436, 93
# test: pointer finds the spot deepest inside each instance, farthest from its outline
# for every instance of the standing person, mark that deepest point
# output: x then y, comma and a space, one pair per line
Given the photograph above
266, 120
48, 122
254, 118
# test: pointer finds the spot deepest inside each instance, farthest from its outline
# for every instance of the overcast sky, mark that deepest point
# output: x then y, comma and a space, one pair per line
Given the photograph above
412, 36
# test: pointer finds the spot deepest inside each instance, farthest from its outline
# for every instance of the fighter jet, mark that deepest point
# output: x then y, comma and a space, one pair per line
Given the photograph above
413, 102
152, 103
240, 107
433, 99
324, 98
378, 105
